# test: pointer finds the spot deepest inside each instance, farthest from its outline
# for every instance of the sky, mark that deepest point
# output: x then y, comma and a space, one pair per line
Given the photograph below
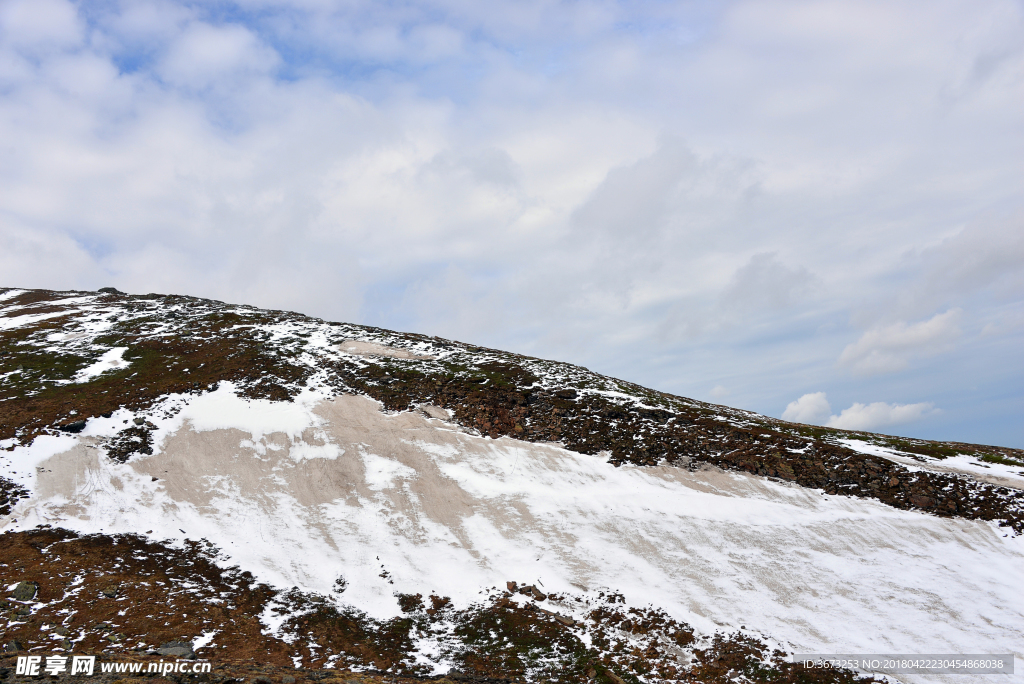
809, 209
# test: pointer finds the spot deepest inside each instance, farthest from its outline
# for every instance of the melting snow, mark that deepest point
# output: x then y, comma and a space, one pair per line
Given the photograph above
203, 641
360, 348
11, 322
408, 504
110, 360
302, 492
962, 464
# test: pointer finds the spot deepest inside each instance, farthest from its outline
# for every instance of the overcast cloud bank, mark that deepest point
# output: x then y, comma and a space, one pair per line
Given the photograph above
752, 200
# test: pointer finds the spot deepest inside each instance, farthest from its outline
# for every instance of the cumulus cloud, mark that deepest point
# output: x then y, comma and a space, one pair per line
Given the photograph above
37, 26
204, 54
879, 415
814, 409
889, 348
674, 193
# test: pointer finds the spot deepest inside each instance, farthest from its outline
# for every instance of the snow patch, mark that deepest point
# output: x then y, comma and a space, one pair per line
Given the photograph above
223, 409
110, 360
403, 503
962, 464
382, 473
362, 348
10, 294
206, 639
303, 451
11, 322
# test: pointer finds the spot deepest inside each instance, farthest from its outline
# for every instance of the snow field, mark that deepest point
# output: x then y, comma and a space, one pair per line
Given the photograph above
305, 492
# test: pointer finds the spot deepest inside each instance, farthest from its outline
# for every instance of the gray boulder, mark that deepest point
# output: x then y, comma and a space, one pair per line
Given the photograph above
177, 649
25, 591
74, 427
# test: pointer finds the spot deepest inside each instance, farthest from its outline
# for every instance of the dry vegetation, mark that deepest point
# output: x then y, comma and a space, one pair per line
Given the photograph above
183, 344
121, 597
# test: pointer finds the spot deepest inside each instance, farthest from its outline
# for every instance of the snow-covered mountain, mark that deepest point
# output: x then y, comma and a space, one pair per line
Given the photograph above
411, 504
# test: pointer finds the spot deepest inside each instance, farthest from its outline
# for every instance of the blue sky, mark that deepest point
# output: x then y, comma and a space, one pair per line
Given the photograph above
808, 209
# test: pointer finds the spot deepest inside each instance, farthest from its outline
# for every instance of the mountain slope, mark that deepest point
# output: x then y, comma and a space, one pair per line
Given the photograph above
79, 355
367, 466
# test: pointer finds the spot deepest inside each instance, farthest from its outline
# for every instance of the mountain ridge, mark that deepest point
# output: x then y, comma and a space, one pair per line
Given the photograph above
329, 498
494, 392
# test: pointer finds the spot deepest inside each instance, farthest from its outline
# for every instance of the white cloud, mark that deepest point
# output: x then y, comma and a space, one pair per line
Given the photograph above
879, 415
675, 193
42, 258
39, 25
890, 348
814, 409
205, 54
151, 23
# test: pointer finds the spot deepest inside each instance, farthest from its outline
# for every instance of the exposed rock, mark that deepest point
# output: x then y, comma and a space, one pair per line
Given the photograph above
12, 647
493, 392
176, 649
25, 591
130, 441
497, 640
10, 493
567, 621
74, 427
533, 592
614, 677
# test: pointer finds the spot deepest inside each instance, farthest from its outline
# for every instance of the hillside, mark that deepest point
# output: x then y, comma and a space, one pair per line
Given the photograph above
328, 495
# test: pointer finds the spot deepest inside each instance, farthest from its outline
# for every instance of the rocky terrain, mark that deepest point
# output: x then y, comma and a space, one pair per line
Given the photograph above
173, 344
98, 390
131, 599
